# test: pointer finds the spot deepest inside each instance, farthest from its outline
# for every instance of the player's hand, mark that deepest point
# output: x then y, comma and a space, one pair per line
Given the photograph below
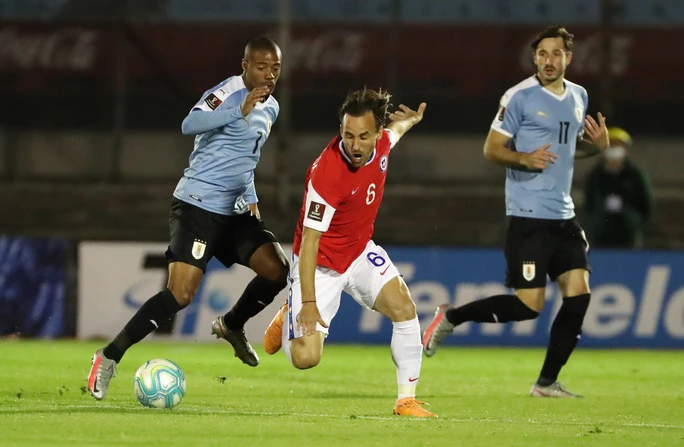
540, 158
405, 114
254, 210
597, 132
308, 317
256, 95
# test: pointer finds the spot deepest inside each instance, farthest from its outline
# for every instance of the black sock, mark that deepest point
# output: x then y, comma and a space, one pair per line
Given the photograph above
156, 310
258, 294
565, 333
495, 309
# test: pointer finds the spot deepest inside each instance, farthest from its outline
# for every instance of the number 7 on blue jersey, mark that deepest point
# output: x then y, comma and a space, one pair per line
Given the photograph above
256, 143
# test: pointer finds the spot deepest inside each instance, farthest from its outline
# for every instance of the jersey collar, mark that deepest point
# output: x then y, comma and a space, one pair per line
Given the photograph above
549, 92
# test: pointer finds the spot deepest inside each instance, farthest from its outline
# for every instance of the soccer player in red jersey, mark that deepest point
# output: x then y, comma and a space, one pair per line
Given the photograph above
333, 250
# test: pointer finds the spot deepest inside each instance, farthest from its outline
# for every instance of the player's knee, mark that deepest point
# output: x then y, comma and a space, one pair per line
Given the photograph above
535, 302
277, 272
305, 358
184, 280
403, 310
183, 295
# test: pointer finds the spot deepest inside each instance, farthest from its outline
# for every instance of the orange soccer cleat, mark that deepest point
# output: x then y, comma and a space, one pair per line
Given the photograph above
273, 338
409, 406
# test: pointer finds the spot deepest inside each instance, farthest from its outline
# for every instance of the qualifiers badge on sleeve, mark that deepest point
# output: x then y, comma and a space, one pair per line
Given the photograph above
502, 113
316, 211
212, 101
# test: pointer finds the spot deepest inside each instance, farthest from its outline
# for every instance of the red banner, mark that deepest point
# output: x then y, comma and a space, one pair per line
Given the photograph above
463, 61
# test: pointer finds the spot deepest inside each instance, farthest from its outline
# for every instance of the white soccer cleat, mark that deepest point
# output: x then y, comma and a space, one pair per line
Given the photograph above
437, 331
101, 373
553, 390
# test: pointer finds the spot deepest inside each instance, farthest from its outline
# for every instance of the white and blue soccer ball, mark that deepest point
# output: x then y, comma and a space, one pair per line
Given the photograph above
159, 383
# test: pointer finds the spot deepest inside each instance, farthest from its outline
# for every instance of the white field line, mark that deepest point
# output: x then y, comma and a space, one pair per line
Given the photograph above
208, 411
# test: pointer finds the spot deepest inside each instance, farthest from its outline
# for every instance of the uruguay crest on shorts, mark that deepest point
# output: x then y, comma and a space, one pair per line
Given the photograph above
198, 248
528, 270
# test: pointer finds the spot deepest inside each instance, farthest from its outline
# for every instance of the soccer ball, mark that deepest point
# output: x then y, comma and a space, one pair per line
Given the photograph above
159, 383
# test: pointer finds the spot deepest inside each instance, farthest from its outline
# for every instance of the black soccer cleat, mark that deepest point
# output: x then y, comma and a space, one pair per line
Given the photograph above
236, 337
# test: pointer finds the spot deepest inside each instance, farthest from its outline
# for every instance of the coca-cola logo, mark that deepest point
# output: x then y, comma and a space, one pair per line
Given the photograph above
586, 53
330, 51
63, 49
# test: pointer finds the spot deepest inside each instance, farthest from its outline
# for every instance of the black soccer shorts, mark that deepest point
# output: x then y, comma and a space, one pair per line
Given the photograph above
536, 248
197, 235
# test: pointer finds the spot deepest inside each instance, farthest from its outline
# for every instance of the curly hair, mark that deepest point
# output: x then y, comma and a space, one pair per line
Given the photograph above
359, 102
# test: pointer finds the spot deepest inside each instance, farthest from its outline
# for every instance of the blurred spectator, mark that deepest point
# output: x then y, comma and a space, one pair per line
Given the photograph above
617, 196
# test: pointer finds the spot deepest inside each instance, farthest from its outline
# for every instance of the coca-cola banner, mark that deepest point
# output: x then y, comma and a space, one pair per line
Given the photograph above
59, 48
468, 61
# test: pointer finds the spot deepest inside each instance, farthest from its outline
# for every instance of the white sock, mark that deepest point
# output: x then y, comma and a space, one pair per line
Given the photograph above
407, 353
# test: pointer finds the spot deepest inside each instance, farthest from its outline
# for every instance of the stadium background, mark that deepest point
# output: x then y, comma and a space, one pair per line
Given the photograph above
93, 94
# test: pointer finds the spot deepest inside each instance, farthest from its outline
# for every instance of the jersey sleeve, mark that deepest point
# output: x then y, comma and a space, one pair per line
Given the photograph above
276, 110
218, 98
510, 115
318, 211
392, 138
200, 120
585, 99
323, 195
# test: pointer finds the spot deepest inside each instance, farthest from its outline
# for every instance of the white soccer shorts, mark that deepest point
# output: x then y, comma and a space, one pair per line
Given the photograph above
363, 280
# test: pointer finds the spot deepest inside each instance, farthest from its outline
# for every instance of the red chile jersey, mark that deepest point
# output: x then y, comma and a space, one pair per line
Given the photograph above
342, 203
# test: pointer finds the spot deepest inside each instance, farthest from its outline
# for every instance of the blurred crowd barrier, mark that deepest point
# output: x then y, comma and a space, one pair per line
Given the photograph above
54, 288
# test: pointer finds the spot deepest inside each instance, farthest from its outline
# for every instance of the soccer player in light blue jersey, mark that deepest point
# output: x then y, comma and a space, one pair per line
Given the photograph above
541, 127
214, 212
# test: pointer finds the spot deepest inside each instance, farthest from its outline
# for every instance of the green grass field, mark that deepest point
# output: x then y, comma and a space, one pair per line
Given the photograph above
632, 398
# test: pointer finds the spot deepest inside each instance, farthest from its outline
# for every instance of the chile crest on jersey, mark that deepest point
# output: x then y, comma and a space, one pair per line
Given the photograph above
383, 163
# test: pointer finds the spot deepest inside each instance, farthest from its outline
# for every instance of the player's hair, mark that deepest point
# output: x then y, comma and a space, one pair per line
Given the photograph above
261, 43
552, 32
359, 102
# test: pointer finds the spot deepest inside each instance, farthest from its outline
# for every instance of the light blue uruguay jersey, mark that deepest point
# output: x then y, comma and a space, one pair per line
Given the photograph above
533, 116
220, 177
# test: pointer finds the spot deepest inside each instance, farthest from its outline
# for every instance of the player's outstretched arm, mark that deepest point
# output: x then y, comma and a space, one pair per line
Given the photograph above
308, 257
405, 118
200, 121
